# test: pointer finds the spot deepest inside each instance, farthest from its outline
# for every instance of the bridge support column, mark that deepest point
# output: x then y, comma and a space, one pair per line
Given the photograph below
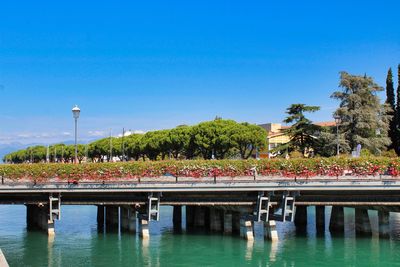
39, 217
100, 217
363, 225
384, 229
300, 218
143, 226
246, 228
270, 231
236, 222
320, 218
336, 223
215, 220
112, 217
228, 219
128, 218
190, 211
177, 217
199, 216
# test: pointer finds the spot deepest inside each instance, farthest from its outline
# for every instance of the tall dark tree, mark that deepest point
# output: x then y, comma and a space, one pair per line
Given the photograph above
391, 108
397, 113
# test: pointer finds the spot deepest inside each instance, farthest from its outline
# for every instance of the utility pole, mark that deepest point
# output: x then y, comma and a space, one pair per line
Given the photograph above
110, 147
123, 145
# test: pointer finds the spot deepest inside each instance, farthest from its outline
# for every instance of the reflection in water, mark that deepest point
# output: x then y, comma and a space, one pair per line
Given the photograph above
78, 243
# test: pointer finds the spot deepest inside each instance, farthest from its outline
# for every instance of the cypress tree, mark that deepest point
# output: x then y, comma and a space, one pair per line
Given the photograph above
390, 101
397, 113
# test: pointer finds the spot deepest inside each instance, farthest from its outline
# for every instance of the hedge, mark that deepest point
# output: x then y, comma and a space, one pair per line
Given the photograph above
307, 168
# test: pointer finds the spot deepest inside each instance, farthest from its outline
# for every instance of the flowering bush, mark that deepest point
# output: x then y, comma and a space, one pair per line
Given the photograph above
306, 168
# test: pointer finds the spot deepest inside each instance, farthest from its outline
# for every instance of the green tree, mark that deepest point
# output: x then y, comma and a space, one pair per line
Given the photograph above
133, 146
397, 113
302, 131
326, 143
364, 120
247, 137
180, 140
155, 143
390, 101
213, 138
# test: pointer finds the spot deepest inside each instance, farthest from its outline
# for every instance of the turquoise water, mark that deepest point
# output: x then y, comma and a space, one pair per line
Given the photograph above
78, 243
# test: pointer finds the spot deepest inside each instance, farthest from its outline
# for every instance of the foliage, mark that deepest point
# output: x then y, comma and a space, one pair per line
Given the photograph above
302, 131
397, 113
326, 144
219, 137
363, 119
301, 167
390, 101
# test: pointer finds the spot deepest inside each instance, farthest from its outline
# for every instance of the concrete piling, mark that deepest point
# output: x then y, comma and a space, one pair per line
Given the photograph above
270, 231
320, 218
362, 223
143, 226
128, 218
199, 216
177, 217
215, 220
100, 216
246, 228
236, 222
190, 211
384, 227
228, 219
112, 217
300, 219
336, 223
38, 216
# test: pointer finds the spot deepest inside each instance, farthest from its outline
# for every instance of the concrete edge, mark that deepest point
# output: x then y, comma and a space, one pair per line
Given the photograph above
3, 261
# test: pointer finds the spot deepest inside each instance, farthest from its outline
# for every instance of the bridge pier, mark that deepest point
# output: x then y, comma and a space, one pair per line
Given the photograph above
300, 218
270, 231
320, 218
39, 217
112, 217
362, 223
215, 220
336, 223
100, 217
384, 227
177, 217
199, 216
143, 226
128, 218
228, 219
190, 211
246, 228
236, 222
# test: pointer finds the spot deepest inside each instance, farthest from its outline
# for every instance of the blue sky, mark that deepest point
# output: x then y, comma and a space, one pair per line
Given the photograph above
147, 65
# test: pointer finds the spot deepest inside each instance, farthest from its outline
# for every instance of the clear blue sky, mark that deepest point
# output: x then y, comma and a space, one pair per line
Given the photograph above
147, 65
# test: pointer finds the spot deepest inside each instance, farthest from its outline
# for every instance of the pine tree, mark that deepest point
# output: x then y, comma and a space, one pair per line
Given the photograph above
364, 120
302, 130
397, 113
390, 102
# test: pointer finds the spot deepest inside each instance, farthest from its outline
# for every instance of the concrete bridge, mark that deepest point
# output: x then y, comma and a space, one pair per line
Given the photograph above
229, 205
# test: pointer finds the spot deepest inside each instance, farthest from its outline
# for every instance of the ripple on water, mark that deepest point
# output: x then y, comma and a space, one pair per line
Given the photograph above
78, 243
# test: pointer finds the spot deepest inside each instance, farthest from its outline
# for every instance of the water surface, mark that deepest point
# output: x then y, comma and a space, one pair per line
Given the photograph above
78, 243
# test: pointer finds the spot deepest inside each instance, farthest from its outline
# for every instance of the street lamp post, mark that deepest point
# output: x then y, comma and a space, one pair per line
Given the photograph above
75, 112
337, 121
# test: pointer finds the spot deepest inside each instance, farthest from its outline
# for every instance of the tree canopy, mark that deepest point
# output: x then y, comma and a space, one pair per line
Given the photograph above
364, 120
207, 139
